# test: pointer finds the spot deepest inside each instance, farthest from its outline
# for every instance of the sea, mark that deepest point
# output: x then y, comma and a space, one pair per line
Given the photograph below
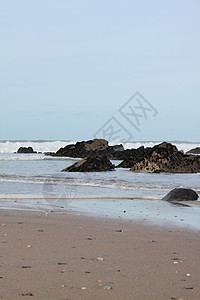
36, 182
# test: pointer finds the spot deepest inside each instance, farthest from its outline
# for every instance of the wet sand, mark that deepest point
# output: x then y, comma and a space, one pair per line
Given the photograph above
65, 256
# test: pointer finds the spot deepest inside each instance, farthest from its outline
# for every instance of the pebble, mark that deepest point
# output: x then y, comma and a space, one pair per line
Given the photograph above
3, 225
119, 230
99, 258
188, 274
108, 287
28, 294
84, 288
63, 285
29, 246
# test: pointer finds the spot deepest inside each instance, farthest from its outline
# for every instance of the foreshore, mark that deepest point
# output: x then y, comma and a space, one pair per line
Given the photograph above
66, 256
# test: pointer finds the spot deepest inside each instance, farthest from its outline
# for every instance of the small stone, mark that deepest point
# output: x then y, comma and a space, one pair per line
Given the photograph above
99, 258
29, 246
188, 274
175, 262
189, 288
63, 285
119, 230
3, 225
108, 287
61, 263
84, 288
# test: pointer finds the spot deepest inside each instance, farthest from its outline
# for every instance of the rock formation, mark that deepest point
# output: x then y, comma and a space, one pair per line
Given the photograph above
166, 158
98, 147
181, 194
194, 151
26, 150
91, 164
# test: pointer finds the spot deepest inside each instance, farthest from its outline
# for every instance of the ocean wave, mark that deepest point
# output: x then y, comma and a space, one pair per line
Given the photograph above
83, 183
184, 146
53, 146
32, 157
102, 197
39, 146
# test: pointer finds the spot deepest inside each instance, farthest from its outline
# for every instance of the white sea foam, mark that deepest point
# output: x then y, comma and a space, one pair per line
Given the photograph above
184, 146
53, 146
39, 146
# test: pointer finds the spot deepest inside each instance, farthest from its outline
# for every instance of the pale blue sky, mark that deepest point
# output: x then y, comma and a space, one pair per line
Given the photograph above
66, 67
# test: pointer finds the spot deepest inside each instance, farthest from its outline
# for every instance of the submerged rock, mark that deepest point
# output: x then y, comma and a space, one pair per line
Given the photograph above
181, 194
26, 150
91, 164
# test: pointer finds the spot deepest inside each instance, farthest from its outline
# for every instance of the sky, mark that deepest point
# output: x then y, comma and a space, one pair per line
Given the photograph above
69, 67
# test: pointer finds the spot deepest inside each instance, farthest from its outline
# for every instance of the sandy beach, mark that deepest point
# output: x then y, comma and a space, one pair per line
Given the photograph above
65, 256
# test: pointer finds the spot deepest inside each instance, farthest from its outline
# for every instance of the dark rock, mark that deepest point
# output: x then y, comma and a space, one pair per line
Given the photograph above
26, 150
181, 194
165, 157
194, 151
91, 164
98, 147
81, 149
132, 156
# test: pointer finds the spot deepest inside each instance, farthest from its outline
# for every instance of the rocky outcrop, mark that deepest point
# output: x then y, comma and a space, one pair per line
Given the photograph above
132, 156
181, 194
165, 157
98, 147
26, 150
91, 164
194, 151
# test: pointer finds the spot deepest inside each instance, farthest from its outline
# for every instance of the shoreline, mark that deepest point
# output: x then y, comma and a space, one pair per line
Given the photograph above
67, 256
150, 212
